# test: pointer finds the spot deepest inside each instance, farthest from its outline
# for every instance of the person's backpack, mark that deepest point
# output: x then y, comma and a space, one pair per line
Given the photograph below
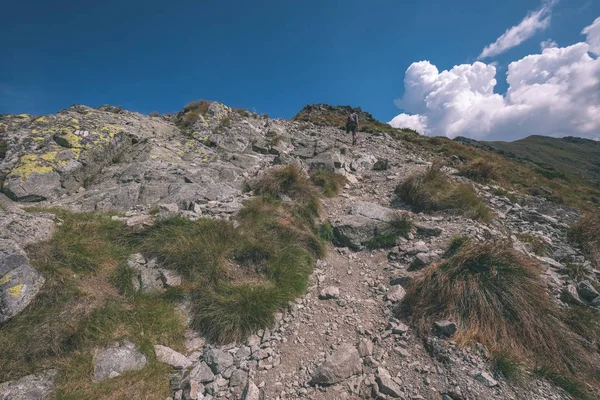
351, 119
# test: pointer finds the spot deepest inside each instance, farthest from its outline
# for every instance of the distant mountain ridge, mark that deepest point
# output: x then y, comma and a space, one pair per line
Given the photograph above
560, 157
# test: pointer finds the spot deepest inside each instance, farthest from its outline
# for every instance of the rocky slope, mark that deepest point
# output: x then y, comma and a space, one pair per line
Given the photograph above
342, 339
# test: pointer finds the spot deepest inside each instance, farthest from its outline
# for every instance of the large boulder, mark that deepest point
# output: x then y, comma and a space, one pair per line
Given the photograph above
31, 387
342, 364
114, 361
19, 282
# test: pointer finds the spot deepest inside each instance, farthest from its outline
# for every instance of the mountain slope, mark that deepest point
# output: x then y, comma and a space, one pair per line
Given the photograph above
569, 156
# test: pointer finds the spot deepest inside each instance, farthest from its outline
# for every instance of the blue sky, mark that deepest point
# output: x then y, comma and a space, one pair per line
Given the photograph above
272, 56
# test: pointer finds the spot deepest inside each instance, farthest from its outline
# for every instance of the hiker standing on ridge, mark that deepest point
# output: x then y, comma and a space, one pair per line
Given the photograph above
352, 125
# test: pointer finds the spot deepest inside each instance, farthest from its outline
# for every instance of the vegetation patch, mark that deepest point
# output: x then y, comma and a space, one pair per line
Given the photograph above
236, 276
329, 182
192, 111
398, 226
79, 307
497, 298
479, 170
433, 190
535, 244
585, 233
519, 174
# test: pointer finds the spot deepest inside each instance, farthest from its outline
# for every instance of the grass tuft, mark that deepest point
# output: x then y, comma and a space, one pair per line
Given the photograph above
330, 183
586, 234
507, 367
398, 226
480, 170
433, 190
497, 298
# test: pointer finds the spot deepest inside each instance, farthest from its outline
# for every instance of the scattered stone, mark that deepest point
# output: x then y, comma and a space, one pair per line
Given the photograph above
386, 385
570, 295
114, 361
444, 328
251, 392
31, 387
342, 364
420, 261
218, 360
330, 292
396, 294
403, 281
171, 357
587, 291
485, 378
202, 373
365, 348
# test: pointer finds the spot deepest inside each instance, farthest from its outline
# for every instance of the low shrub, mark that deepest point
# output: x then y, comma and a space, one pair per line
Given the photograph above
433, 190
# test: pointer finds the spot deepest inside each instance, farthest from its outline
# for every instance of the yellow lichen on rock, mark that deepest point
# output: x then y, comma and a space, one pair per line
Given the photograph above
15, 290
41, 120
29, 164
5, 279
23, 116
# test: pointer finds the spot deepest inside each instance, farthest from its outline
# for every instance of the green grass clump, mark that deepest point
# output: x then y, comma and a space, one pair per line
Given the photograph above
194, 249
507, 367
329, 182
326, 231
387, 237
433, 190
497, 298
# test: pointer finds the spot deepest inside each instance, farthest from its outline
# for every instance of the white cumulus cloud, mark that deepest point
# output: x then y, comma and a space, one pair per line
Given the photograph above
514, 36
556, 92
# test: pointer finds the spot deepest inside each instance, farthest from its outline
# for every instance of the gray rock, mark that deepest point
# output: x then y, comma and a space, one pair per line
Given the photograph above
403, 281
571, 295
238, 377
171, 357
148, 277
421, 261
343, 363
427, 230
371, 211
218, 360
396, 294
485, 378
31, 387
444, 328
114, 361
37, 186
365, 348
251, 392
387, 385
19, 282
587, 291
354, 230
330, 292
202, 373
